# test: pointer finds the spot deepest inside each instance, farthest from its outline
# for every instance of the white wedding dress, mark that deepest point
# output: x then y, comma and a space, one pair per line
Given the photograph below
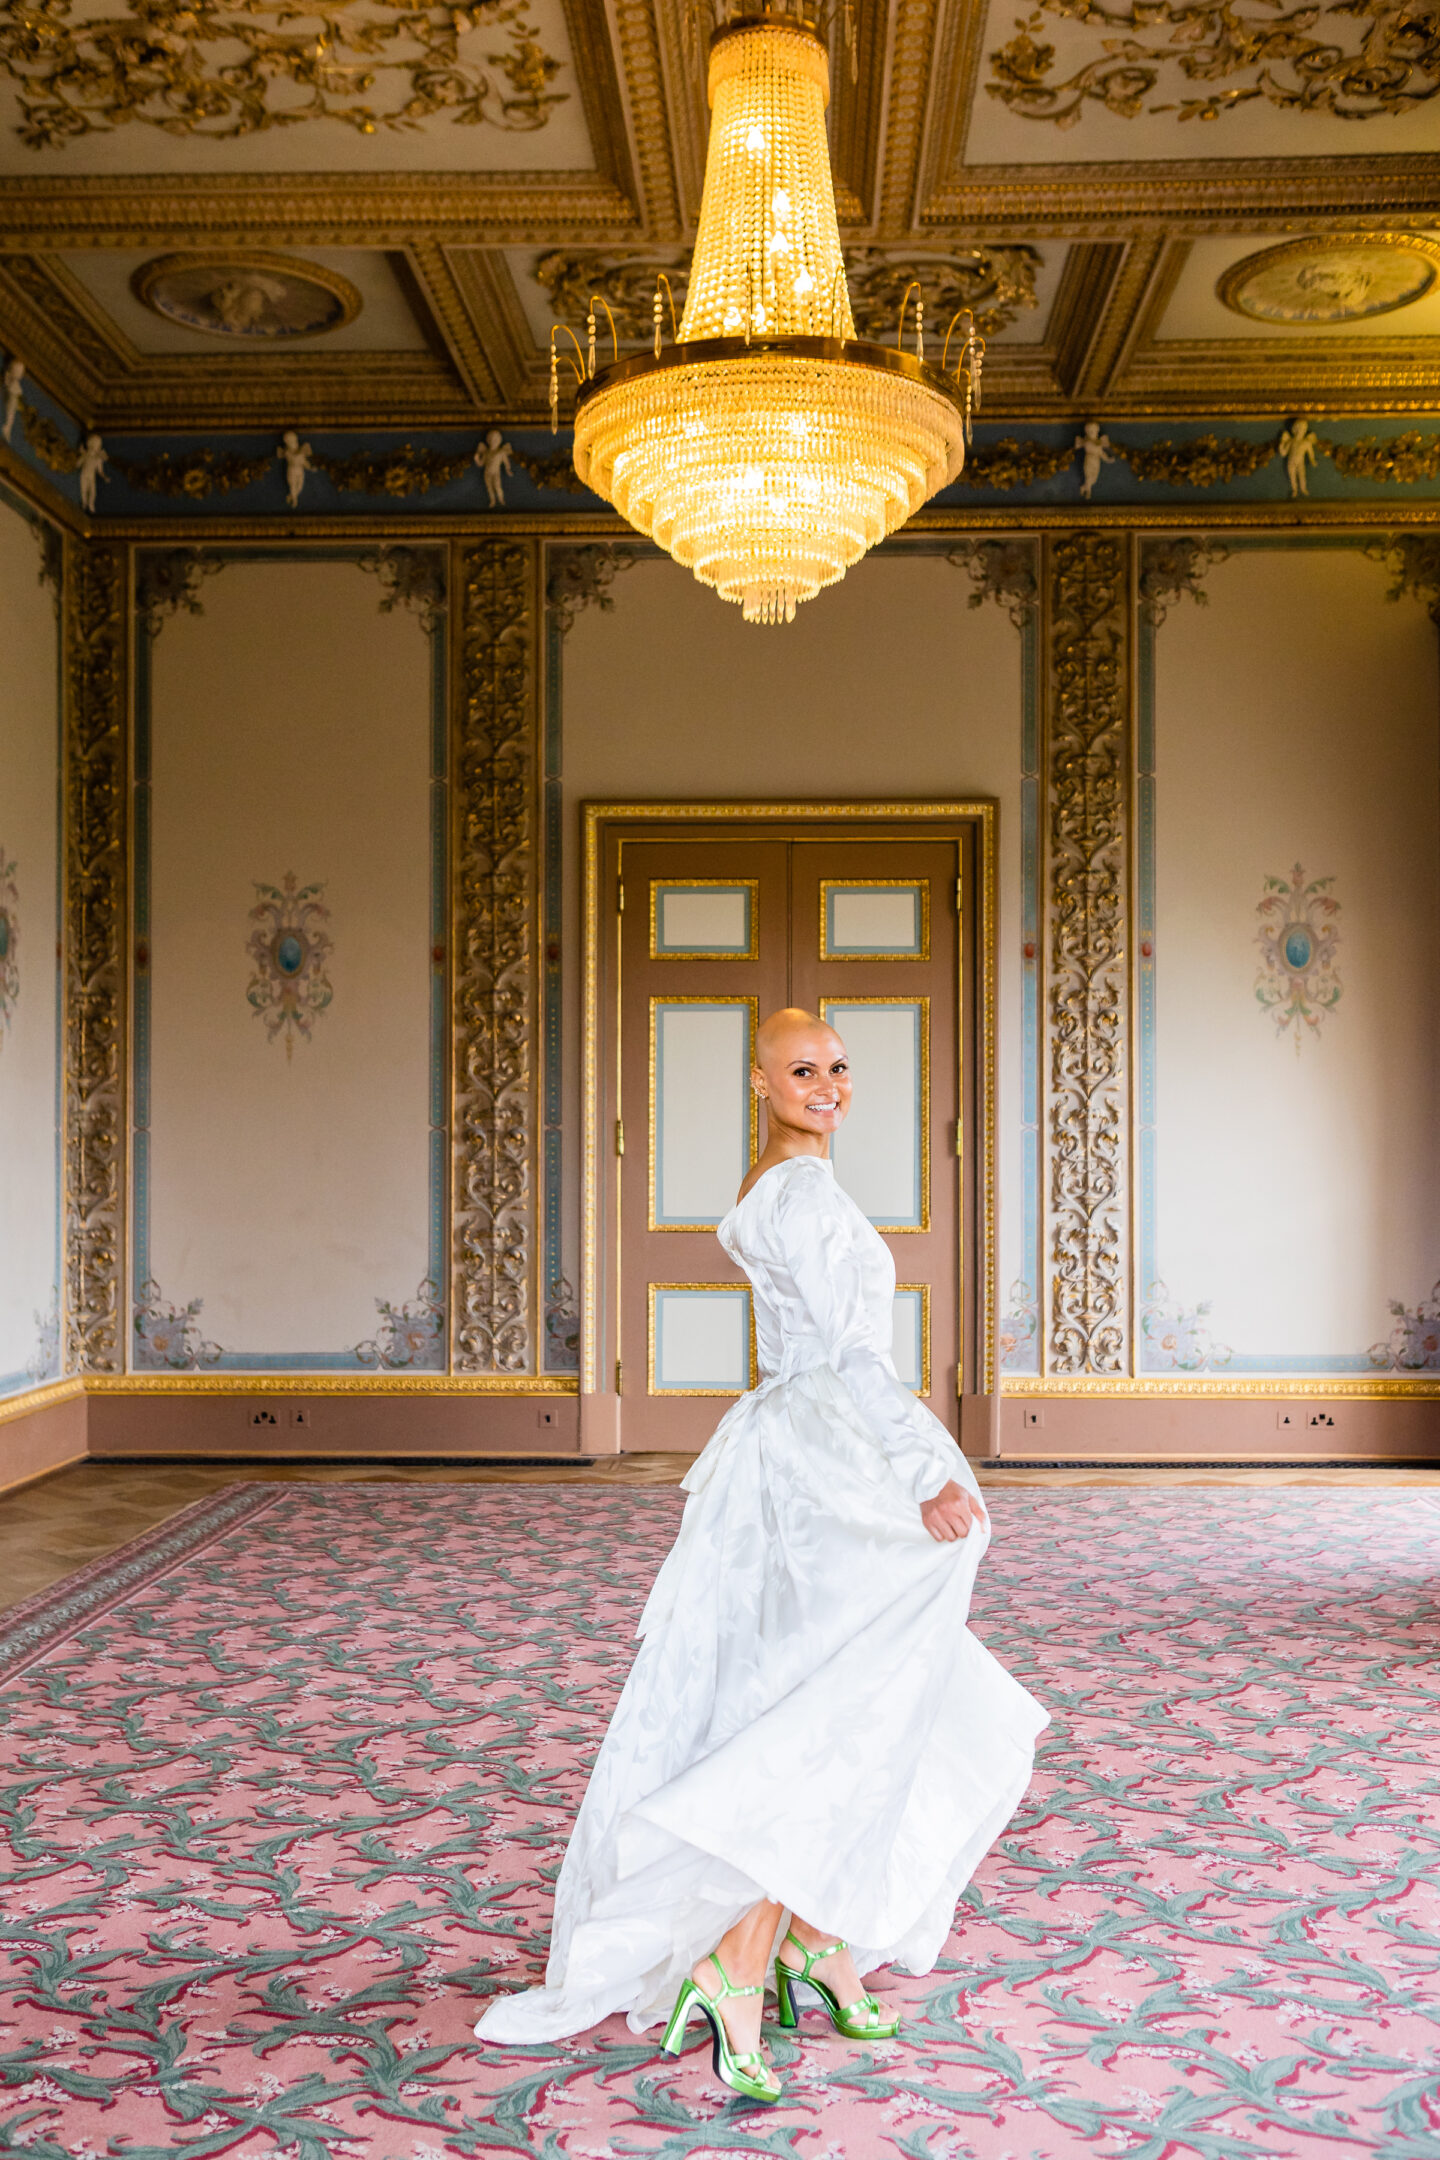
808, 1718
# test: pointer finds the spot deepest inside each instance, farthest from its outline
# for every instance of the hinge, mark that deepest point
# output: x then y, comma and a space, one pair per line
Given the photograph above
960, 893
619, 1136
619, 1377
620, 899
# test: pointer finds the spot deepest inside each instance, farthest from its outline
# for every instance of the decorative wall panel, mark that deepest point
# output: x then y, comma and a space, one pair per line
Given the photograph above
1087, 991
288, 1152
496, 776
1289, 1215
96, 824
29, 980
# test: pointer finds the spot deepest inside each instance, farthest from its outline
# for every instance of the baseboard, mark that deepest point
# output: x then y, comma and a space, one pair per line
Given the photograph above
316, 1426
42, 1431
1154, 1431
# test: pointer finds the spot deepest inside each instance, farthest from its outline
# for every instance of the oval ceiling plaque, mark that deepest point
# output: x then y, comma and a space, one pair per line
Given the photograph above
1345, 277
247, 296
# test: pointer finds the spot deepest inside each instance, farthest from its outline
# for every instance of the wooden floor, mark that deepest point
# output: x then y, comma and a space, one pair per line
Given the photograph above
60, 1523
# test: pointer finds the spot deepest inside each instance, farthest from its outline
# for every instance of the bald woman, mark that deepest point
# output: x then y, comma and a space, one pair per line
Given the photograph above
812, 1752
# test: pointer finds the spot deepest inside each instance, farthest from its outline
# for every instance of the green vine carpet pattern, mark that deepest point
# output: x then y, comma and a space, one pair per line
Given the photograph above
286, 1785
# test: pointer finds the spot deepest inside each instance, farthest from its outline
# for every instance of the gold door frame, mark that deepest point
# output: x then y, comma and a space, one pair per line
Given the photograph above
983, 815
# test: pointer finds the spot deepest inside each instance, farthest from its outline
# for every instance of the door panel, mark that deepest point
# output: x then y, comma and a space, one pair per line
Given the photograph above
714, 932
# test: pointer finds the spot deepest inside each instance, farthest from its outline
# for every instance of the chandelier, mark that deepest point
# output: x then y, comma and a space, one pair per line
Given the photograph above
766, 447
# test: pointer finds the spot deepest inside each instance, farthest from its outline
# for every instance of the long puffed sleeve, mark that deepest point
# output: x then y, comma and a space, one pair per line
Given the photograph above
821, 1258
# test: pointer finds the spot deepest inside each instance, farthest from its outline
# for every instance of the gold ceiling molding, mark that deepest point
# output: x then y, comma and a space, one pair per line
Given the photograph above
1164, 45
645, 87
912, 44
172, 65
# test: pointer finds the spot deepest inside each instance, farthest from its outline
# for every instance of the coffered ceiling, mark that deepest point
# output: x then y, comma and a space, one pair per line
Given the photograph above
226, 213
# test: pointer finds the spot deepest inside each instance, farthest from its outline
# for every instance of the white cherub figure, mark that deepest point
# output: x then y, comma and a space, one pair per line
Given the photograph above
1298, 446
297, 458
493, 457
91, 467
1095, 450
13, 377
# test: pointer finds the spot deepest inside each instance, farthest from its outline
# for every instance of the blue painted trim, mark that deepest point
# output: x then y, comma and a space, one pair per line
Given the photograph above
438, 1151
878, 952
1357, 1361
720, 1385
552, 1001
742, 1011
831, 1007
1027, 1360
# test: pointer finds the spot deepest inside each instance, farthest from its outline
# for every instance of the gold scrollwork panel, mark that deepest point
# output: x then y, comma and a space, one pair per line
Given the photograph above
493, 1242
1087, 1001
96, 851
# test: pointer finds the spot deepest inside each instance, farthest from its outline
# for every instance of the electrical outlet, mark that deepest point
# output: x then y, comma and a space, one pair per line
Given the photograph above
302, 1414
1323, 1418
1031, 1417
1289, 1420
261, 1415
545, 1419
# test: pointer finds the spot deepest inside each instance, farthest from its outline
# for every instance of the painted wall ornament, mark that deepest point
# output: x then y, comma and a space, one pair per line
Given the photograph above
1308, 60
12, 384
92, 466
298, 460
1344, 277
289, 946
168, 582
1413, 1344
221, 69
1413, 560
1298, 446
45, 1359
1003, 571
1020, 1329
580, 576
1171, 569
412, 578
9, 943
248, 297
1298, 938
168, 1338
1175, 1337
410, 1337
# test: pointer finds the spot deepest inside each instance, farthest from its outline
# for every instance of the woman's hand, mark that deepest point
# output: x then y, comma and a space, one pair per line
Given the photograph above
949, 1515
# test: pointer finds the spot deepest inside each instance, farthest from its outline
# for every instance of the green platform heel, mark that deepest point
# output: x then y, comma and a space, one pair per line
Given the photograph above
861, 2020
747, 2072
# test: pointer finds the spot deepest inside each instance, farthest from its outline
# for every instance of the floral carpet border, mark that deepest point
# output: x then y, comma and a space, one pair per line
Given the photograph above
35, 1625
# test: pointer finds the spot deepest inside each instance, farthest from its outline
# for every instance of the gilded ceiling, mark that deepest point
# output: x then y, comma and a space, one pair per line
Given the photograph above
235, 212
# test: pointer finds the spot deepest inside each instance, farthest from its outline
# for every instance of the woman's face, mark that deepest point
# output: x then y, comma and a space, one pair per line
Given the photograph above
805, 1080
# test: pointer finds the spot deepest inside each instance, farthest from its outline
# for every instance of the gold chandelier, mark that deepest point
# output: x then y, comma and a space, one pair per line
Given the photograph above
767, 448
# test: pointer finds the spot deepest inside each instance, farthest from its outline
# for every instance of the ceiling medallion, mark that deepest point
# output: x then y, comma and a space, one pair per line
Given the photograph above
1344, 277
255, 298
766, 447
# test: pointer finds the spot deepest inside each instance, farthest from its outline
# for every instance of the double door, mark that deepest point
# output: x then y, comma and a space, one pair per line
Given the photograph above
714, 932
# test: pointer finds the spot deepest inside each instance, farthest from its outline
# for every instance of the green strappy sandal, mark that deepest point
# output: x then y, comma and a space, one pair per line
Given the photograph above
861, 2020
747, 2072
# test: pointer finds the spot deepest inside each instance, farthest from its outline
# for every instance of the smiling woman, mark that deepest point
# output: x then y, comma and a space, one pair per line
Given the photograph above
811, 1745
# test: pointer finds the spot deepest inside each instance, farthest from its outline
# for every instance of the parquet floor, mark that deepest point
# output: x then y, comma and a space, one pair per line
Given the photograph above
61, 1523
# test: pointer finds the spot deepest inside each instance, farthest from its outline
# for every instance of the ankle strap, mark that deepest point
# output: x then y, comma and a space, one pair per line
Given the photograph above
726, 1988
812, 1957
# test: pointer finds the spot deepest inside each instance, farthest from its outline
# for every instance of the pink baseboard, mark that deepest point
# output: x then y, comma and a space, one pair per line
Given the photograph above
1089, 1428
35, 1441
340, 1425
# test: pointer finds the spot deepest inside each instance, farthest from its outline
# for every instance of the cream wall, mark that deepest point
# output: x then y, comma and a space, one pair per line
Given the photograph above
888, 685
283, 1183
1297, 718
29, 976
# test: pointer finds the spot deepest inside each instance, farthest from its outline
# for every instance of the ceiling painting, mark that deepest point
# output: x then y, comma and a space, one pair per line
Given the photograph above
1200, 307
1344, 279
368, 308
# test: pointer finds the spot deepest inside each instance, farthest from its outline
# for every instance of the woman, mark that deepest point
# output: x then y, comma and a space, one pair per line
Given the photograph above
812, 1751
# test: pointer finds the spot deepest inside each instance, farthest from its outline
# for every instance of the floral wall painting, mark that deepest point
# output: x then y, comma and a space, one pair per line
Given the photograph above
1297, 983
9, 943
1413, 1344
1175, 1336
168, 1338
289, 946
410, 1337
1019, 1328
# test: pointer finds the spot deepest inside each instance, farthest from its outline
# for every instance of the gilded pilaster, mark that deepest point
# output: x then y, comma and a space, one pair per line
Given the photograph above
95, 973
1087, 997
493, 1228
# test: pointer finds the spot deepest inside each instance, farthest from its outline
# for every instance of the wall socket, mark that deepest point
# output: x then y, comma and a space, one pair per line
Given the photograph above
1297, 1419
545, 1419
262, 1415
269, 1417
1031, 1416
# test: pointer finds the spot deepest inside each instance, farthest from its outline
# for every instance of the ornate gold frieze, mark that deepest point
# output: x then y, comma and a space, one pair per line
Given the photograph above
1204, 461
1172, 567
1306, 60
196, 474
1411, 456
94, 945
46, 440
1087, 991
493, 1139
1013, 464
174, 65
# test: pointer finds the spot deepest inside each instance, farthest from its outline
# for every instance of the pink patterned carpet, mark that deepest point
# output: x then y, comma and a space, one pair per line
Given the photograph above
286, 1784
